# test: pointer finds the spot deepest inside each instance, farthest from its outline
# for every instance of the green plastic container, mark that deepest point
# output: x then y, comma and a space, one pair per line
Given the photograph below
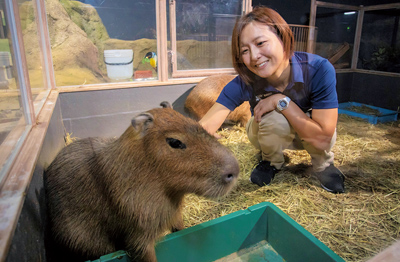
261, 233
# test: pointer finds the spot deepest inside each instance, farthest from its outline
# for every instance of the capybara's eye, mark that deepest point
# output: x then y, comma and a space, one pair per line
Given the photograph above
175, 143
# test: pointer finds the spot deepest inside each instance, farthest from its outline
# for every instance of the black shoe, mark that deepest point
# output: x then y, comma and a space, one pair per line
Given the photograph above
331, 179
263, 173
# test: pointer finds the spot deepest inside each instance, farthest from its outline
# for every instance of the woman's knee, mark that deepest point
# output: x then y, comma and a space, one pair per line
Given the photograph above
275, 123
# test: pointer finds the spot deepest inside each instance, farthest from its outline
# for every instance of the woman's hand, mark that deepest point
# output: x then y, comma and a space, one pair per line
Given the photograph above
318, 131
214, 118
266, 105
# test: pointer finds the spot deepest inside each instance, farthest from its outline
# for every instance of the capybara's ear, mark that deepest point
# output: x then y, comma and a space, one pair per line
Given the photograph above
165, 104
142, 122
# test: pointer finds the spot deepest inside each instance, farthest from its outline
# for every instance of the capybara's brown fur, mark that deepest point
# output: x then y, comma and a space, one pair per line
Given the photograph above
110, 194
205, 93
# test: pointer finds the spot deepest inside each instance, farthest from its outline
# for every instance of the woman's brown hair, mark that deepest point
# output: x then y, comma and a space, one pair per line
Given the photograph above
269, 17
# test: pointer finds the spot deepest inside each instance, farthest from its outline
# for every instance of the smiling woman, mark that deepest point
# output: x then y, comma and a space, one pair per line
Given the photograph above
262, 53
277, 29
292, 97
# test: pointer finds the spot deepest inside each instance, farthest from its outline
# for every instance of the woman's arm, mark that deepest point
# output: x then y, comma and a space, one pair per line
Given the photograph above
318, 131
214, 118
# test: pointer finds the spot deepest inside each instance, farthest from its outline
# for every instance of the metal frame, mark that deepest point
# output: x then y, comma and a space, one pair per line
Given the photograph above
360, 18
15, 139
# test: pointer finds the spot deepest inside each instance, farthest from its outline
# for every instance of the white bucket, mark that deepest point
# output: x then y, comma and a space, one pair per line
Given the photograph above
119, 63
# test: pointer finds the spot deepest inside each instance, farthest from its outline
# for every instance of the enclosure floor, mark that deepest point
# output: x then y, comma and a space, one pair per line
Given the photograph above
262, 251
355, 225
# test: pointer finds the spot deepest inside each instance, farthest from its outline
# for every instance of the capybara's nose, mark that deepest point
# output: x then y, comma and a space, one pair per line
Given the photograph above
229, 165
228, 178
231, 171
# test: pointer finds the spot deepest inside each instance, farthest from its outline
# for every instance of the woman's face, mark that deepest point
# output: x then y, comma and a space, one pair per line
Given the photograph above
262, 51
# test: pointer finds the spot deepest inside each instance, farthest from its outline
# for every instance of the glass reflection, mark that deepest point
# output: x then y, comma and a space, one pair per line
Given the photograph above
95, 41
336, 31
203, 33
12, 120
33, 52
380, 41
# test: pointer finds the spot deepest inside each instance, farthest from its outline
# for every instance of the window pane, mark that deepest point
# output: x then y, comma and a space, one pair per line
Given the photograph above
380, 41
33, 53
12, 120
88, 33
335, 39
203, 33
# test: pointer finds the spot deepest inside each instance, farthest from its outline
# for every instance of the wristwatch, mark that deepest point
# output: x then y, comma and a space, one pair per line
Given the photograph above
283, 103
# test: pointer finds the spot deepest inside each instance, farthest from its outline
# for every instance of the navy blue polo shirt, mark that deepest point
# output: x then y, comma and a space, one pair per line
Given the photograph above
312, 85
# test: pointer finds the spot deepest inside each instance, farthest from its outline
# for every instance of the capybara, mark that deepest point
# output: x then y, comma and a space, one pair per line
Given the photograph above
123, 193
205, 93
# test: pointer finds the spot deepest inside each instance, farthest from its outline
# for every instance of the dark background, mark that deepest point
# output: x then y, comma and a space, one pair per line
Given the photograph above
125, 19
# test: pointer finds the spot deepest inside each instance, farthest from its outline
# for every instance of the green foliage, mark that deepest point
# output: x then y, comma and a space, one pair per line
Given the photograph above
384, 59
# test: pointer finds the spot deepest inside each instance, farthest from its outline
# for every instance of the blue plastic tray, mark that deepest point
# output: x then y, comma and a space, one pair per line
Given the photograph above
386, 115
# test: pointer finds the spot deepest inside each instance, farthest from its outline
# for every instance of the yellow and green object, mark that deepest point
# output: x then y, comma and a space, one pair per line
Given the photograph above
151, 58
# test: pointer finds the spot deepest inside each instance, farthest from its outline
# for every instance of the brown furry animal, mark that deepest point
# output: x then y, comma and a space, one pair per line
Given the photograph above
204, 95
106, 195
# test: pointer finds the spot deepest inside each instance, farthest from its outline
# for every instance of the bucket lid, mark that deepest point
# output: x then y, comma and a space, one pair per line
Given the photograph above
118, 53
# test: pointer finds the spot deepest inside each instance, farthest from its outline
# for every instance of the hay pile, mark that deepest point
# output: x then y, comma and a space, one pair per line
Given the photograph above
357, 224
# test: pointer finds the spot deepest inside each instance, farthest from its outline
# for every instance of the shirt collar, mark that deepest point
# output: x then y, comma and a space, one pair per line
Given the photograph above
296, 76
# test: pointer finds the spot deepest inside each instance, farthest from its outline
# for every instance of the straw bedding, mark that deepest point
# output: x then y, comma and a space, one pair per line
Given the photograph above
357, 224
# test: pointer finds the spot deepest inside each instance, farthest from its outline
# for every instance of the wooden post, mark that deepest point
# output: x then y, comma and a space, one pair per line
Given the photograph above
357, 38
172, 33
162, 49
311, 33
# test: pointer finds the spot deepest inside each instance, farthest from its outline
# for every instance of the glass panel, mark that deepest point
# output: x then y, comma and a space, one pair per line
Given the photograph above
87, 34
380, 41
203, 33
336, 31
12, 120
33, 52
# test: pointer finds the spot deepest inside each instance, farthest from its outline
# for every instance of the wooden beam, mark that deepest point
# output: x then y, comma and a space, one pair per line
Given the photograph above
172, 33
138, 84
311, 33
337, 6
357, 39
247, 6
203, 72
339, 53
382, 7
162, 49
372, 72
